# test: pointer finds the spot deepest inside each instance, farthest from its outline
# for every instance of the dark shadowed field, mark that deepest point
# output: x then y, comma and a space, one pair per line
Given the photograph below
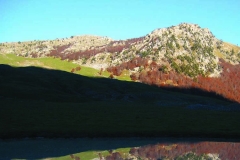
36, 102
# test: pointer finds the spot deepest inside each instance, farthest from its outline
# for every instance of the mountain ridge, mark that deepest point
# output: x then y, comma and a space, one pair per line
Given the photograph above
185, 56
74, 48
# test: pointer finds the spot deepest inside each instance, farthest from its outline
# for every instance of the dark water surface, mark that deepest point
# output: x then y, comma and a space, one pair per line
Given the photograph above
42, 148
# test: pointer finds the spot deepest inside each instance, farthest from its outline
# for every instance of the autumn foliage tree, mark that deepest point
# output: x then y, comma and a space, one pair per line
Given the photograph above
226, 85
112, 47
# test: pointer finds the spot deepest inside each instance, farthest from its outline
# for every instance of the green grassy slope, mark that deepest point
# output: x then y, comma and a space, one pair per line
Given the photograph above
54, 63
94, 154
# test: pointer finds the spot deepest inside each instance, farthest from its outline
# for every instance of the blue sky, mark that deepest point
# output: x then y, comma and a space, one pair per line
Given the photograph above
23, 20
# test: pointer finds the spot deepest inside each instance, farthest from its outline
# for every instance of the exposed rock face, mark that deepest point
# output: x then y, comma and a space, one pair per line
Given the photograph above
43, 48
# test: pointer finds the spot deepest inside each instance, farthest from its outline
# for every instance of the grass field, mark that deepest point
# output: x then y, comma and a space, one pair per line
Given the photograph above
87, 155
49, 101
55, 63
32, 119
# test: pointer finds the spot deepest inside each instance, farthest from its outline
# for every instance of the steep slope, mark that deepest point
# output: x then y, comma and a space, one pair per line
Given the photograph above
185, 48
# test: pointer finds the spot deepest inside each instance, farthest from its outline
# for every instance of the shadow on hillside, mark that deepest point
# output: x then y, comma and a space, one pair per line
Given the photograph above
35, 83
25, 84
